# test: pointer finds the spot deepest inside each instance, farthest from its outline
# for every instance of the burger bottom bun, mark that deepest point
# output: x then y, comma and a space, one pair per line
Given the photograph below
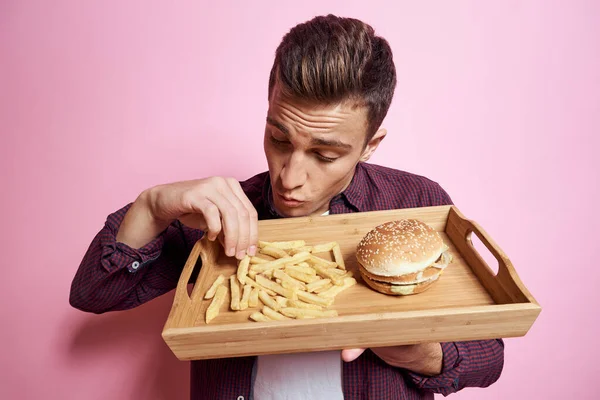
408, 279
399, 290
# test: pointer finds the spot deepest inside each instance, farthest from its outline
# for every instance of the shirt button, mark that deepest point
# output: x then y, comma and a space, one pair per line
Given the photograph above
135, 265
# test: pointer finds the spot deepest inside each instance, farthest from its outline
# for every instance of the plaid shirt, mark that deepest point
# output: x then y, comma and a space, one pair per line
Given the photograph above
112, 276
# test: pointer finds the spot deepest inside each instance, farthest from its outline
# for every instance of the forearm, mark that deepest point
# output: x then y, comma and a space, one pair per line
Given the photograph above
114, 276
139, 226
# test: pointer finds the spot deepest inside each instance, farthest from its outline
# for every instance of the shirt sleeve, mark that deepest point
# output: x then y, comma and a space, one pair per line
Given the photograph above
113, 276
465, 364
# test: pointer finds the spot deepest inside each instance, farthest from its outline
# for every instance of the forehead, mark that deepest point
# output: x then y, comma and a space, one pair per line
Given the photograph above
344, 116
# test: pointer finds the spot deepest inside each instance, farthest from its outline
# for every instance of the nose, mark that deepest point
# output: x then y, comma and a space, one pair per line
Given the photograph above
293, 174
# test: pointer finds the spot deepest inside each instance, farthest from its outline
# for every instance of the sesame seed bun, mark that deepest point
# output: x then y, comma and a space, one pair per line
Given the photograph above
407, 253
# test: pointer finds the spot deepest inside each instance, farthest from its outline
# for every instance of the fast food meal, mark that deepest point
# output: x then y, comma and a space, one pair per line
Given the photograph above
402, 257
288, 278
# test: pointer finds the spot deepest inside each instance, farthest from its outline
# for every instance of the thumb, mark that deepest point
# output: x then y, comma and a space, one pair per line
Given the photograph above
351, 354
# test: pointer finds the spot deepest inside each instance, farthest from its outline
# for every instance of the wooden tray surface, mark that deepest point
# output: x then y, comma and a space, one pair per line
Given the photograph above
468, 301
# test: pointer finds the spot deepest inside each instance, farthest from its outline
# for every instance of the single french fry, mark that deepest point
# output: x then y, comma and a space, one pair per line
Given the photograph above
311, 287
242, 270
293, 283
281, 262
282, 301
324, 288
314, 299
305, 269
335, 290
210, 293
259, 317
293, 244
295, 312
300, 250
301, 304
274, 252
269, 312
337, 271
304, 264
251, 274
245, 297
258, 260
253, 283
338, 257
235, 292
301, 276
275, 287
253, 301
318, 261
215, 305
323, 248
268, 300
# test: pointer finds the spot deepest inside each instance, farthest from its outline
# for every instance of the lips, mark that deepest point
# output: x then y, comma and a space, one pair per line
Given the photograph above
289, 201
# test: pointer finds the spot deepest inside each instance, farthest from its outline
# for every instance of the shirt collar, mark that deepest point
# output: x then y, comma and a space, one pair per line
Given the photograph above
354, 193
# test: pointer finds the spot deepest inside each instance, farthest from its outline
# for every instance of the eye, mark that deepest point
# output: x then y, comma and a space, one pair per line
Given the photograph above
325, 159
278, 142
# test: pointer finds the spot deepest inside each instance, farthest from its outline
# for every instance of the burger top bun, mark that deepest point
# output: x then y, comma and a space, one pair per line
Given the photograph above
400, 247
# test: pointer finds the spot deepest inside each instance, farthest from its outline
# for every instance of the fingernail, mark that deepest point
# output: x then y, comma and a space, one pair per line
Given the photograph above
240, 254
231, 252
252, 251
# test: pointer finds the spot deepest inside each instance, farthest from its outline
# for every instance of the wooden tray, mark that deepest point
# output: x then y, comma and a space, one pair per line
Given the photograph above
468, 302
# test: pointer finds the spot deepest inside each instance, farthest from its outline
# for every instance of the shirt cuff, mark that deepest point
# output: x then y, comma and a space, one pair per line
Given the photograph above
448, 380
117, 255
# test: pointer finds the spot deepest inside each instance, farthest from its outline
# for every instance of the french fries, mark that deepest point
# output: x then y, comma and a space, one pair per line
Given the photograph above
284, 281
338, 257
213, 288
235, 292
311, 287
294, 244
275, 287
273, 314
274, 252
335, 290
245, 297
242, 270
301, 276
323, 248
219, 298
259, 317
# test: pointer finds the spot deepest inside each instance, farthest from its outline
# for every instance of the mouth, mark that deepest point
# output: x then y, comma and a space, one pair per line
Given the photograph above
289, 201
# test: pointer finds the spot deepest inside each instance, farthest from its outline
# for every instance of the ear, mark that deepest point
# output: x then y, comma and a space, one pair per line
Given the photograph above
373, 144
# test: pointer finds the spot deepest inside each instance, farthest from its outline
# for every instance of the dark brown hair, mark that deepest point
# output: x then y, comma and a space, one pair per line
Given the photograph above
330, 59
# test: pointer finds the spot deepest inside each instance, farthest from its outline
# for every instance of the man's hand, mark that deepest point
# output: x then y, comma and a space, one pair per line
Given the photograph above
424, 359
215, 205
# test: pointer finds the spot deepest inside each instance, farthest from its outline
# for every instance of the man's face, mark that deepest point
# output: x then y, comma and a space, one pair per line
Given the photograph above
312, 151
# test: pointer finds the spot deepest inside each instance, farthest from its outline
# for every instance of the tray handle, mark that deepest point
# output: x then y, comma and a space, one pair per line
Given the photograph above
505, 286
207, 252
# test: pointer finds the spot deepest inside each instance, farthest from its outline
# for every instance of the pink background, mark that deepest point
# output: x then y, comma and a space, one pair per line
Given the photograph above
497, 101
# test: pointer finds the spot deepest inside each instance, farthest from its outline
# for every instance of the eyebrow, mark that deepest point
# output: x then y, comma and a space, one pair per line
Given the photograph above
315, 141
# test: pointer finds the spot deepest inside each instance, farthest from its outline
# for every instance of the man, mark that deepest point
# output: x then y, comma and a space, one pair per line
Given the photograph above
330, 88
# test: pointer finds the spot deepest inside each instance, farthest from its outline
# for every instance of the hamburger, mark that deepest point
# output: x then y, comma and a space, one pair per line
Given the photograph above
402, 257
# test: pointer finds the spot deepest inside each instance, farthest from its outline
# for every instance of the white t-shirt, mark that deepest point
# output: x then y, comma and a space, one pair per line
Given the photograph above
299, 376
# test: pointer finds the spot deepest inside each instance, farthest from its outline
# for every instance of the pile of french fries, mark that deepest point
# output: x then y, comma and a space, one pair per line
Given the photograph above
288, 278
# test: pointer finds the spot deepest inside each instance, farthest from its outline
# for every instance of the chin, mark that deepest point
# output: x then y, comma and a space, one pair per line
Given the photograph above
292, 212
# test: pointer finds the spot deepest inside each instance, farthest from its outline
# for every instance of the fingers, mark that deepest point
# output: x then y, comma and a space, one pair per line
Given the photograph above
229, 220
351, 354
249, 243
